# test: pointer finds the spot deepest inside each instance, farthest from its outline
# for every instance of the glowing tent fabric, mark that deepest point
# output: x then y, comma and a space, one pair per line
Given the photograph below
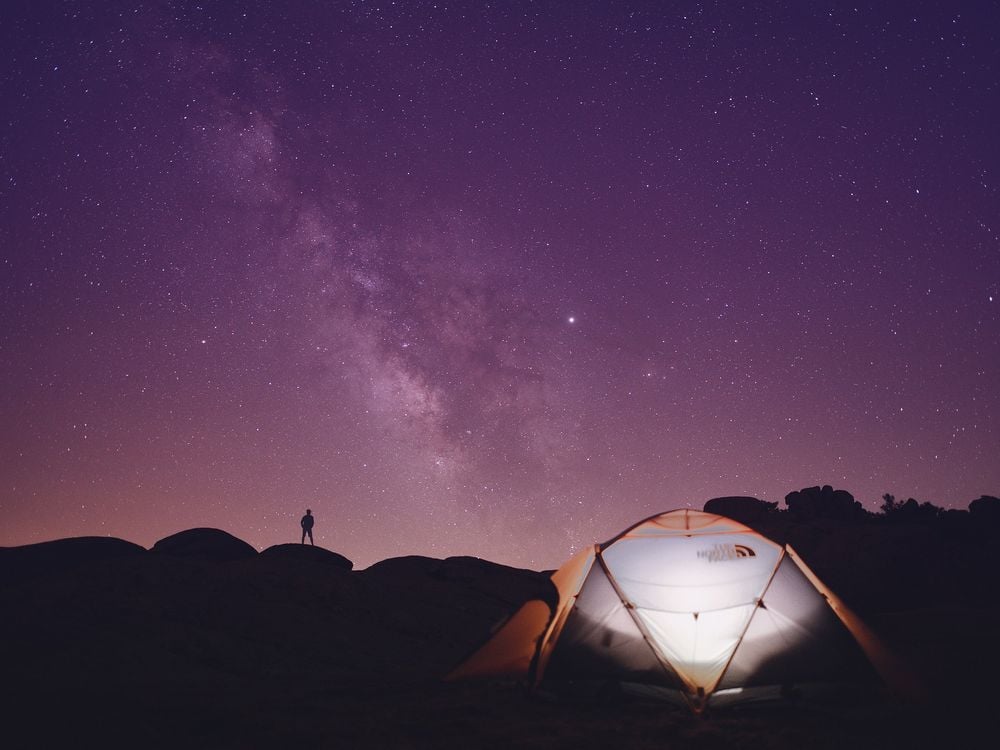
687, 602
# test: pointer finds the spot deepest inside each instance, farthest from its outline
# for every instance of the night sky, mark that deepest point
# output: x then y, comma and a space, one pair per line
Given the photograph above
496, 280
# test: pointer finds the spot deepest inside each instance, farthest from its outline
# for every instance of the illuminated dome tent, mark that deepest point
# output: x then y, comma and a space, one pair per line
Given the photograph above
688, 604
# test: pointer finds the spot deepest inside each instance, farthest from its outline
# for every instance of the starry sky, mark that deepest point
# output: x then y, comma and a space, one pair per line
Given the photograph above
495, 279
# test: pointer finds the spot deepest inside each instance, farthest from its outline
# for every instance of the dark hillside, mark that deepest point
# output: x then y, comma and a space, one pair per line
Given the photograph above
105, 644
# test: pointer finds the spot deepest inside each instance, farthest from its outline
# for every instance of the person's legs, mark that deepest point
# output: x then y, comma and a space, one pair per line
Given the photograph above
303, 536
311, 538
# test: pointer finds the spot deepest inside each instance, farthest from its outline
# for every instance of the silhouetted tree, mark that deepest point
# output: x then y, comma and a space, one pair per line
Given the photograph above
908, 511
889, 504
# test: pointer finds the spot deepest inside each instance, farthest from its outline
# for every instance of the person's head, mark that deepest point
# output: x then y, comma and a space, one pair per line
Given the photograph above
308, 512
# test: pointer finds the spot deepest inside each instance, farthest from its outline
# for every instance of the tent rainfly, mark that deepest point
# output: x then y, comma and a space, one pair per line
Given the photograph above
690, 605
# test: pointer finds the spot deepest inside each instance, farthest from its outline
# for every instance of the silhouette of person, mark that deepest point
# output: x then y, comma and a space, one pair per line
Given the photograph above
307, 527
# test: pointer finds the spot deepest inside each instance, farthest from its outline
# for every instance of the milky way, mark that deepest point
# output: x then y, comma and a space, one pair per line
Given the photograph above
491, 280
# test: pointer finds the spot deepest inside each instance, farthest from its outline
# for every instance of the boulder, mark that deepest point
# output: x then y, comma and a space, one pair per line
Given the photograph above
307, 553
205, 544
63, 554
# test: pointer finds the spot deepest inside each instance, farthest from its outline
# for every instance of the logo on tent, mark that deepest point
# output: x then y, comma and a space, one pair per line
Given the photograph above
720, 552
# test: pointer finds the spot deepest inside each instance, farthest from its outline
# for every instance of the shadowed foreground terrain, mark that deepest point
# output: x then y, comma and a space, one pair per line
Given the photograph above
201, 642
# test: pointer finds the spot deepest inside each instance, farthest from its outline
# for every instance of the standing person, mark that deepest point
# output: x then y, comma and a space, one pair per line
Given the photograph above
307, 527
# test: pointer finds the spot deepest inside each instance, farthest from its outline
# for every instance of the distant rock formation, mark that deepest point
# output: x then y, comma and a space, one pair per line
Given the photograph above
825, 503
986, 508
205, 544
307, 552
743, 509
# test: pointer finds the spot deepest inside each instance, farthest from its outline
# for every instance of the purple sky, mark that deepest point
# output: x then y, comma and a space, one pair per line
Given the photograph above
495, 280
